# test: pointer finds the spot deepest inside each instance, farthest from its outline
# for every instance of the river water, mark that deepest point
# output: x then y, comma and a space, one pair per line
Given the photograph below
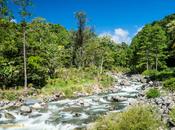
70, 114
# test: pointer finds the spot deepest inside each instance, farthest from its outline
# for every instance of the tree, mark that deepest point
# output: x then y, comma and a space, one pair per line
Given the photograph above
159, 40
79, 37
24, 4
5, 13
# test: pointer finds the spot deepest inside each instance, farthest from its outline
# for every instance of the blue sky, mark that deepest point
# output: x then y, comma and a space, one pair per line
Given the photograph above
119, 18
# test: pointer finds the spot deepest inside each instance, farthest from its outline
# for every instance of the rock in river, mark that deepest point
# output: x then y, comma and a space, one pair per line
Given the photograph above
25, 109
9, 116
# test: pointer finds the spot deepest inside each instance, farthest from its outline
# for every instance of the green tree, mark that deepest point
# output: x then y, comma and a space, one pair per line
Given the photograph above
24, 4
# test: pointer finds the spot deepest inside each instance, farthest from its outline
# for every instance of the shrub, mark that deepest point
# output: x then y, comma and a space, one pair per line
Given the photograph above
169, 84
172, 114
135, 118
153, 93
151, 73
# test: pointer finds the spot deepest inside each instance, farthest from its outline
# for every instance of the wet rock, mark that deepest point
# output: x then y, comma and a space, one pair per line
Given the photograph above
25, 109
77, 115
118, 98
9, 116
35, 115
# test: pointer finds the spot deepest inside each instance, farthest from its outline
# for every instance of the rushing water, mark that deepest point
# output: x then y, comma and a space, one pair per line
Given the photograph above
69, 114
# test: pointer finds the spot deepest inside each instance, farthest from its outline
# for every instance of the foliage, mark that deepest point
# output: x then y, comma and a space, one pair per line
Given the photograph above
135, 118
172, 114
152, 93
169, 84
72, 80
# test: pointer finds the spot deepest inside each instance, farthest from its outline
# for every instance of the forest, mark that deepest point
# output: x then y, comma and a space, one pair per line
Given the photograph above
50, 48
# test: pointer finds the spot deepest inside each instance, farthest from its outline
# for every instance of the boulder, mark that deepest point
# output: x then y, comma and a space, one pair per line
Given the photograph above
173, 128
25, 109
29, 102
35, 115
9, 116
125, 83
37, 106
118, 98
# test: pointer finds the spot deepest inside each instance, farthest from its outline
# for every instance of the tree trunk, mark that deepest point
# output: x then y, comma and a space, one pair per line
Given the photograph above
101, 66
147, 58
24, 56
156, 60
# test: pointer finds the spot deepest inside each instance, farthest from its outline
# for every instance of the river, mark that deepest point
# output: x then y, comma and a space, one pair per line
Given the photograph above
70, 114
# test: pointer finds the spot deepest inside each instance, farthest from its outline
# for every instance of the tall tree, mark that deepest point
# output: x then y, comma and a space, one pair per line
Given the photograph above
24, 13
80, 35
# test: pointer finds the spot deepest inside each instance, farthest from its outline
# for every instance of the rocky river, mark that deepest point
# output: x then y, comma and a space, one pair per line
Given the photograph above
71, 114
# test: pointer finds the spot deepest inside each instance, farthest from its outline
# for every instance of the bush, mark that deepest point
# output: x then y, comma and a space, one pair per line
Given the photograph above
151, 73
153, 93
136, 118
172, 114
169, 84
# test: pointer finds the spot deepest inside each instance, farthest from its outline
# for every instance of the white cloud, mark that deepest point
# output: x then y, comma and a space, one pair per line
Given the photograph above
119, 35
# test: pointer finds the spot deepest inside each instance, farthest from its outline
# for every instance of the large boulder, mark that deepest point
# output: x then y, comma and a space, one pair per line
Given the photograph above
9, 116
25, 109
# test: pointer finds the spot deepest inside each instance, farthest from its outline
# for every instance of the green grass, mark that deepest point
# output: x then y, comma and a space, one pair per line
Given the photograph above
73, 80
135, 118
153, 93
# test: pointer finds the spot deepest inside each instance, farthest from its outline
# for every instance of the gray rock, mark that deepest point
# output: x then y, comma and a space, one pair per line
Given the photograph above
29, 102
9, 116
35, 115
25, 109
173, 128
37, 106
118, 98
124, 83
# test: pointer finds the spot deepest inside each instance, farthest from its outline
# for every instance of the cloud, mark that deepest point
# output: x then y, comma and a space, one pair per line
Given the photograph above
119, 35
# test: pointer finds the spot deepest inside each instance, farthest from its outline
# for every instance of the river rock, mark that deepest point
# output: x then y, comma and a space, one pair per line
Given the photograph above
124, 83
25, 109
118, 98
77, 115
9, 116
35, 115
29, 102
37, 106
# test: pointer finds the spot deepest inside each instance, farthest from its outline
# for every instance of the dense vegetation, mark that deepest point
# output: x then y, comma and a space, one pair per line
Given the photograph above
136, 118
32, 52
49, 48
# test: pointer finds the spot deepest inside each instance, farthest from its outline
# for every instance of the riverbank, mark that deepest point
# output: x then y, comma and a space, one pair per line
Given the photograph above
78, 112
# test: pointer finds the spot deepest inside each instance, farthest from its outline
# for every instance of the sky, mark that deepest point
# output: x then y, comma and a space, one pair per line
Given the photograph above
121, 19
